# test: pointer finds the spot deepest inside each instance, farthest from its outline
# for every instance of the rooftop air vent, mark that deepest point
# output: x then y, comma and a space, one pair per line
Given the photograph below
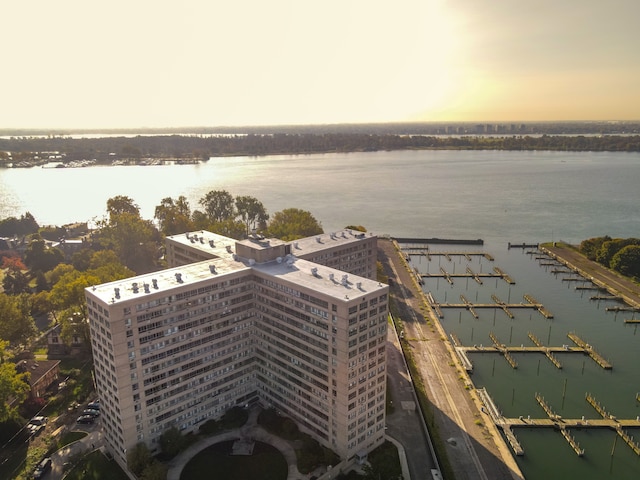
228, 248
146, 287
314, 271
296, 246
154, 282
116, 290
359, 285
318, 239
279, 259
134, 287
212, 244
331, 277
201, 239
212, 269
252, 261
345, 280
178, 277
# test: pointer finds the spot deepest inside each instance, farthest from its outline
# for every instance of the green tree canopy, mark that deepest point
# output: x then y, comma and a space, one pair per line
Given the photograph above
38, 256
252, 213
627, 261
135, 241
16, 323
13, 226
138, 458
13, 385
218, 205
174, 216
293, 223
121, 204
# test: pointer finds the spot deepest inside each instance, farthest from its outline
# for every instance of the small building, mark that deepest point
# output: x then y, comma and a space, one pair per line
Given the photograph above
44, 373
56, 347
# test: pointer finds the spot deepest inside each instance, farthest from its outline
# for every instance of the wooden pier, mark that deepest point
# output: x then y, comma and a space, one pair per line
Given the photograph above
522, 245
425, 252
617, 427
632, 320
503, 350
606, 297
546, 351
563, 429
504, 276
557, 422
477, 276
590, 351
498, 419
469, 306
502, 305
506, 307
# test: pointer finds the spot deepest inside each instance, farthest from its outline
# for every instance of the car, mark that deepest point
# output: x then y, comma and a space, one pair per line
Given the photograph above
92, 412
37, 424
86, 419
95, 405
43, 467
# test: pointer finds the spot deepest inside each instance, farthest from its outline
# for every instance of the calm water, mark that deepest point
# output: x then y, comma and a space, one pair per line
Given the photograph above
498, 196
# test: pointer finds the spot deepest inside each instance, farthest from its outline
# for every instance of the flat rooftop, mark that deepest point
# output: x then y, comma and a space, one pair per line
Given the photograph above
165, 280
310, 245
328, 281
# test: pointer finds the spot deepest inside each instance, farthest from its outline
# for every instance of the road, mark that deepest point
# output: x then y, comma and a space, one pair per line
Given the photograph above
474, 446
615, 283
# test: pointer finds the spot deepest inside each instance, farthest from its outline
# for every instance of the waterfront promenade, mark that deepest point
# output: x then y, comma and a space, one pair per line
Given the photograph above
475, 449
613, 282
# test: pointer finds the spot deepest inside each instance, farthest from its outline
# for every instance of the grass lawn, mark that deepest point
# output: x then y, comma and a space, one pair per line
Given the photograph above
96, 466
266, 463
70, 437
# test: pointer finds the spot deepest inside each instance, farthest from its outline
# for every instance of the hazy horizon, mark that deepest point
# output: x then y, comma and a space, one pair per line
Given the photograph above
143, 64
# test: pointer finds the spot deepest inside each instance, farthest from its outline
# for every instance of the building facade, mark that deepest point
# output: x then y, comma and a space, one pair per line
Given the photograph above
252, 320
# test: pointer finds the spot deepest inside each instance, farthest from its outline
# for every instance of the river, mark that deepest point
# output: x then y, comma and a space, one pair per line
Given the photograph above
498, 196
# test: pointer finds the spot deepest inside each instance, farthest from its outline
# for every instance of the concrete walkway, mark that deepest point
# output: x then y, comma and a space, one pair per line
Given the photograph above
249, 431
73, 451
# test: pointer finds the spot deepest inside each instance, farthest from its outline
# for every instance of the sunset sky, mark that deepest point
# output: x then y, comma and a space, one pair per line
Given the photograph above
142, 63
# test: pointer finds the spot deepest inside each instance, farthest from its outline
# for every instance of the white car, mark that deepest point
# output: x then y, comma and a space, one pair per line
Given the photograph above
37, 424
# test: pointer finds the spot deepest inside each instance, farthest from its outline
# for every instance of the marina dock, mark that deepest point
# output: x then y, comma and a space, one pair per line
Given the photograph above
503, 350
546, 351
599, 359
506, 307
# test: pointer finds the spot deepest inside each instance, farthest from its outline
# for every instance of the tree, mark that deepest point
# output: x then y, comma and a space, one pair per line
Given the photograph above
67, 293
252, 213
218, 205
591, 246
229, 228
38, 256
16, 322
135, 241
138, 458
172, 442
121, 204
627, 261
15, 282
174, 216
13, 385
610, 247
292, 223
154, 471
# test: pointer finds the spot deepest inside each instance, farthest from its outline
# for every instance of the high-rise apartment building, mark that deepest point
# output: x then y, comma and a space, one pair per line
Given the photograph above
299, 326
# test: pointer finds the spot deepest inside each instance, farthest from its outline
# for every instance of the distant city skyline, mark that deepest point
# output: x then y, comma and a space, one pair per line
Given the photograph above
159, 64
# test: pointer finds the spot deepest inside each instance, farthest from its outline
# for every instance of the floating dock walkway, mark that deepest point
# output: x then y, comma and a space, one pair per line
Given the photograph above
617, 427
477, 276
503, 350
506, 307
599, 359
546, 350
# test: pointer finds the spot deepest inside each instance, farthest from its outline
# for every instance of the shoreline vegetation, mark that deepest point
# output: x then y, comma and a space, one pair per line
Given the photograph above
155, 149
